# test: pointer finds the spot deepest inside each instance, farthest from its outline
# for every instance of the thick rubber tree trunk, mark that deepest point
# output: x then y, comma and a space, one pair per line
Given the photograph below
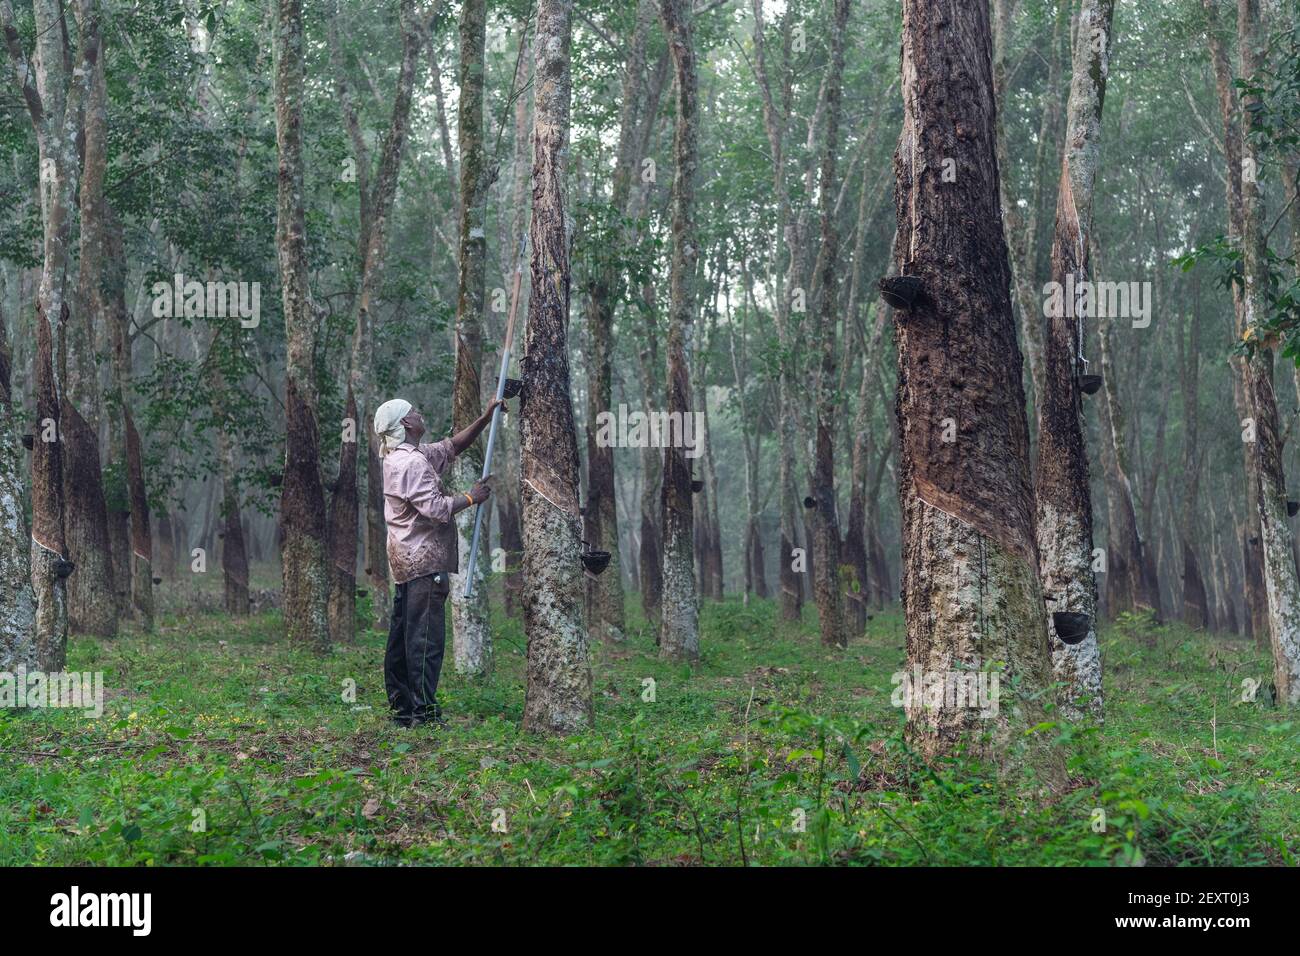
971, 592
472, 637
679, 633
52, 86
827, 585
92, 593
557, 696
1280, 577
302, 503
506, 489
1064, 500
92, 596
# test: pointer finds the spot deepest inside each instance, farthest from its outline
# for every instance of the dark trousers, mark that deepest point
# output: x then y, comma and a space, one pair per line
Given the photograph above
417, 635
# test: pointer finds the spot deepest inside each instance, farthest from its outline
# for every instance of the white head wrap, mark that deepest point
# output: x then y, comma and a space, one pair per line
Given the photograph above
388, 424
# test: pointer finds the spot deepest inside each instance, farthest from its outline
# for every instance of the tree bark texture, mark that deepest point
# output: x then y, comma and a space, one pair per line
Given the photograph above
971, 592
558, 684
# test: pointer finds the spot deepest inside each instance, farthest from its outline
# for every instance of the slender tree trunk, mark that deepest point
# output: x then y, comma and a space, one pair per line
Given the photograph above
473, 638
605, 592
826, 523
1064, 500
752, 559
713, 554
788, 236
341, 529
1280, 577
234, 554
506, 490
1196, 608
376, 537
140, 572
971, 591
1126, 581
302, 504
649, 554
1023, 234
558, 691
679, 636
1256, 609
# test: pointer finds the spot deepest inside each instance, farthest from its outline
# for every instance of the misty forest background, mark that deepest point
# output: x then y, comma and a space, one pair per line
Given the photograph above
711, 192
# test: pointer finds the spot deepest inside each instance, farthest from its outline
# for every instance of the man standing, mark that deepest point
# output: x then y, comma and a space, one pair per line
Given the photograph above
422, 552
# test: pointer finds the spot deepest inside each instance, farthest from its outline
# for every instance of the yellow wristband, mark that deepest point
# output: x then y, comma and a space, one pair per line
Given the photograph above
469, 498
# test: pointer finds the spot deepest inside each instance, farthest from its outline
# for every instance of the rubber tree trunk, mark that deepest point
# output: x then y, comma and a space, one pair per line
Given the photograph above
234, 554
18, 607
302, 503
1022, 233
1256, 610
341, 530
713, 553
139, 578
792, 566
1196, 606
557, 696
376, 538
52, 87
472, 647
827, 586
117, 491
649, 551
1128, 586
506, 491
1064, 500
679, 634
1280, 577
92, 594
752, 558
605, 592
971, 593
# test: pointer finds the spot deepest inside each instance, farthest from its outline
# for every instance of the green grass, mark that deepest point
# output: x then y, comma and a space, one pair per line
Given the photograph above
773, 750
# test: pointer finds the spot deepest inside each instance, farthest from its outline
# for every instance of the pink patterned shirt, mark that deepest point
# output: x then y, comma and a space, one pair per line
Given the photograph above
418, 511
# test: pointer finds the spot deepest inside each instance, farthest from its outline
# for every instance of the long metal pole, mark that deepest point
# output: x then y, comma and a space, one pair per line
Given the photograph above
496, 414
